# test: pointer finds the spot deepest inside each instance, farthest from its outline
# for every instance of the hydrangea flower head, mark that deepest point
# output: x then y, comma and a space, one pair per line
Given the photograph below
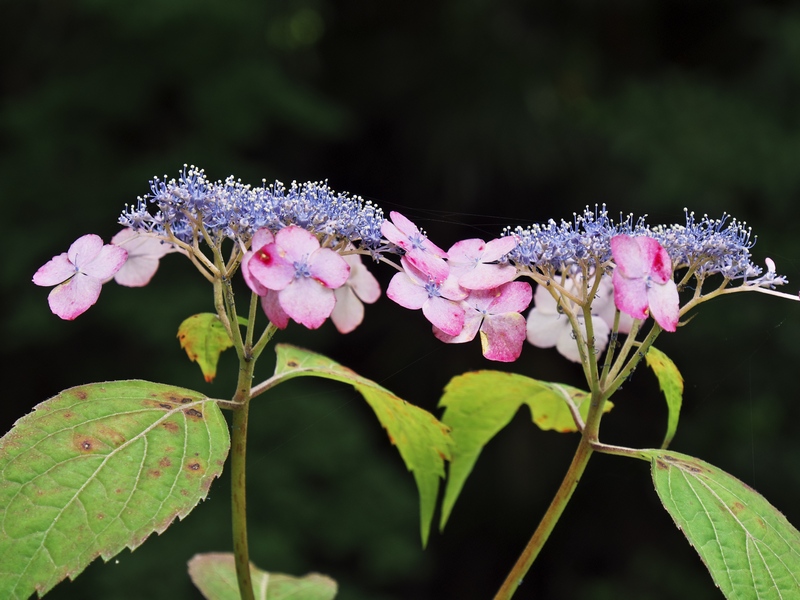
643, 280
78, 275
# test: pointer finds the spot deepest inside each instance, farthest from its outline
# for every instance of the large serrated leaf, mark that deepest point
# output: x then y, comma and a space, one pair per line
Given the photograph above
99, 468
671, 383
204, 338
214, 574
423, 442
748, 546
479, 404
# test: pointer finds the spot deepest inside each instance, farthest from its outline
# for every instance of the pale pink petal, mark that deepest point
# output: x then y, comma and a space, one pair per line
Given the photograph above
348, 313
105, 263
271, 268
296, 243
630, 295
498, 248
629, 256
272, 308
144, 251
450, 289
411, 233
137, 272
513, 297
307, 302
664, 305
502, 336
433, 266
567, 346
467, 251
57, 270
544, 301
138, 244
403, 290
444, 314
73, 298
361, 280
394, 235
328, 267
544, 328
484, 276
84, 249
472, 323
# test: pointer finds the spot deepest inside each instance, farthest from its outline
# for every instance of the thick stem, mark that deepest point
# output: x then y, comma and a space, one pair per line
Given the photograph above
548, 522
239, 500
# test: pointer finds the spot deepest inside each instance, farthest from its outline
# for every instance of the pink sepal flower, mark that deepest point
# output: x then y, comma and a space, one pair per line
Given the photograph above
423, 254
361, 286
303, 274
144, 252
471, 263
643, 280
440, 302
495, 314
78, 275
261, 238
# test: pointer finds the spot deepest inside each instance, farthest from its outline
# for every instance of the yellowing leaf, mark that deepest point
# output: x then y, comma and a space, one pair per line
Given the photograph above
479, 404
671, 383
204, 338
214, 574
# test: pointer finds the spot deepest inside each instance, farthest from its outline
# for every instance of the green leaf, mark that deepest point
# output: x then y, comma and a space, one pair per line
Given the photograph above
423, 442
204, 338
479, 404
214, 574
97, 468
671, 383
751, 550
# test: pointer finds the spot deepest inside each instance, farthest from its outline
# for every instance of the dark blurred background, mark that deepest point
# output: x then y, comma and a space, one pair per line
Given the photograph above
467, 115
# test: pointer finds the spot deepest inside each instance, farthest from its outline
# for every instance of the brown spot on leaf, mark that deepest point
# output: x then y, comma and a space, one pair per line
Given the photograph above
165, 406
85, 444
100, 516
292, 363
737, 508
81, 395
185, 400
68, 415
660, 464
165, 462
194, 466
191, 412
170, 426
155, 473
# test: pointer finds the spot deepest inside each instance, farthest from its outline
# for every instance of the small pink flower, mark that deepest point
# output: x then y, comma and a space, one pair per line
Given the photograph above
472, 263
643, 280
302, 273
78, 275
423, 254
439, 301
361, 286
144, 252
496, 315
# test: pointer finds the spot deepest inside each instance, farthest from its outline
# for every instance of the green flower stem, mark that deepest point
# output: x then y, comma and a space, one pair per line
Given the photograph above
241, 551
549, 520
